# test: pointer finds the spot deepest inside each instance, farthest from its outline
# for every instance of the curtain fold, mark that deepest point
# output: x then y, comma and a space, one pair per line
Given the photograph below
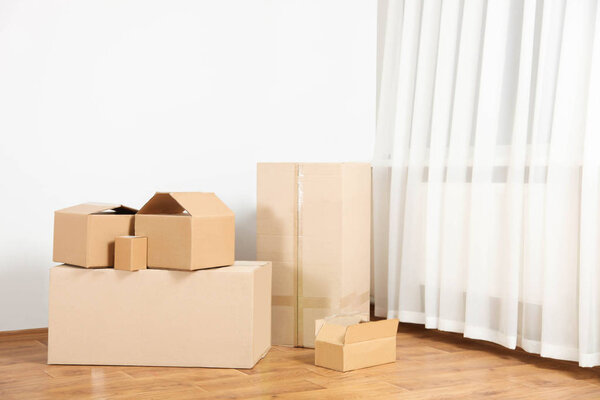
486, 172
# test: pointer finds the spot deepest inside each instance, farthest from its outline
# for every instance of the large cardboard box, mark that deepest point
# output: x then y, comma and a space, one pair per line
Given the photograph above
218, 317
187, 231
345, 343
84, 234
314, 224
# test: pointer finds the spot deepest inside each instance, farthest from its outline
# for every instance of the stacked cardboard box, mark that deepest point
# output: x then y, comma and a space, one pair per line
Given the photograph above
131, 253
200, 316
84, 235
210, 318
187, 231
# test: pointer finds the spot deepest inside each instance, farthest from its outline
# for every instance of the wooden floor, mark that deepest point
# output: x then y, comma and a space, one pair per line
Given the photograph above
430, 365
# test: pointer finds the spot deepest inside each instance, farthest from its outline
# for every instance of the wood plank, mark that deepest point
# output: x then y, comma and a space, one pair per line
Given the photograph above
33, 334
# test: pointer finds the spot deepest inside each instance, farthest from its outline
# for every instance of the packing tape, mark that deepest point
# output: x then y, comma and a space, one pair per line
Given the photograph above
357, 314
321, 302
299, 303
354, 299
284, 301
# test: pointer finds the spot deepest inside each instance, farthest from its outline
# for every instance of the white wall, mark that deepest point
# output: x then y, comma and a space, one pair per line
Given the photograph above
113, 100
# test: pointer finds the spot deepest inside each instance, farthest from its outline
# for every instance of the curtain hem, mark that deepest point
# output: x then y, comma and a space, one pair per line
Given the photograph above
489, 335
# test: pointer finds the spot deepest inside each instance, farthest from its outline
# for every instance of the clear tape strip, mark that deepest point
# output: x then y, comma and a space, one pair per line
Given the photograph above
352, 299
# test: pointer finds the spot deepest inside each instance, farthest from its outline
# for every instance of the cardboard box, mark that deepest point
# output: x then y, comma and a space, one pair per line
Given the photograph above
84, 235
131, 253
346, 343
187, 231
218, 317
314, 224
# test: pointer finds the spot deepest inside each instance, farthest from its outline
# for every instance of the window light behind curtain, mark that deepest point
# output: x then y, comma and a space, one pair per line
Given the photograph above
487, 172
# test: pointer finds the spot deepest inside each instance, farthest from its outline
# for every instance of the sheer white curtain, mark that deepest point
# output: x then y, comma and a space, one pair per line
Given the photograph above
487, 172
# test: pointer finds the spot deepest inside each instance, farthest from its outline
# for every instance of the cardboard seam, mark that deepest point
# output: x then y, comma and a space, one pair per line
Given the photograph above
253, 325
299, 261
193, 255
342, 174
88, 245
297, 268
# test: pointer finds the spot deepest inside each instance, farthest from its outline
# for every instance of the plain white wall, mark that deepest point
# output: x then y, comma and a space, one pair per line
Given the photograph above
113, 100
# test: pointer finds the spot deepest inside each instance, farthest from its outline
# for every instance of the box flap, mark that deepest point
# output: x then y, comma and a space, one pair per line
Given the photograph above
162, 203
194, 203
335, 327
93, 208
198, 203
332, 333
371, 330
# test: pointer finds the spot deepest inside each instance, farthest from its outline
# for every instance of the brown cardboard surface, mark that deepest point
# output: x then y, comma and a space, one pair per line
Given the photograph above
344, 343
187, 231
84, 234
131, 253
332, 333
217, 317
276, 240
370, 353
370, 331
313, 223
330, 355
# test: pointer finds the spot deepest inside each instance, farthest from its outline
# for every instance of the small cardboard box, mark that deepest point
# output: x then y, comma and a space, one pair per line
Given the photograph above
313, 221
187, 231
84, 235
346, 343
219, 317
131, 253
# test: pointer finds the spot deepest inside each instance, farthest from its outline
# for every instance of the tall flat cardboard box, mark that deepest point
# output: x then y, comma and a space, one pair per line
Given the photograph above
84, 235
218, 317
187, 231
346, 343
314, 224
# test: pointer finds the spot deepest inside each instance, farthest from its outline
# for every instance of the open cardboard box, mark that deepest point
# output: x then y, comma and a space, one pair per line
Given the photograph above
84, 235
187, 231
345, 343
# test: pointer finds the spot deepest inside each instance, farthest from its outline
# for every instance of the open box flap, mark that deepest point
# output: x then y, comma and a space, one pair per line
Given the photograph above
332, 333
371, 330
206, 204
194, 203
161, 203
335, 327
93, 208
